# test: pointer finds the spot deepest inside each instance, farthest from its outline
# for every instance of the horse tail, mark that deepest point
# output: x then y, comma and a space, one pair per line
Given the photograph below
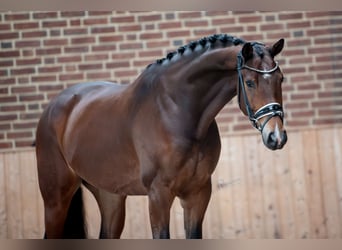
74, 227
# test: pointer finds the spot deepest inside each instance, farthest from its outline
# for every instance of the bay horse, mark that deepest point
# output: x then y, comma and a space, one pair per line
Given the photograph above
156, 136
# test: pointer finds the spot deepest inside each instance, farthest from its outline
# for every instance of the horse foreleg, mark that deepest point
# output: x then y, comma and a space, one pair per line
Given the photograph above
195, 205
113, 211
160, 201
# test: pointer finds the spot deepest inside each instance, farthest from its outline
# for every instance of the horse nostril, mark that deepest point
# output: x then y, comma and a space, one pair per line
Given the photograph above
284, 138
272, 140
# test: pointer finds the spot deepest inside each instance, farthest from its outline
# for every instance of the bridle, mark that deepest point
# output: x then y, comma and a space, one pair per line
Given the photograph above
269, 110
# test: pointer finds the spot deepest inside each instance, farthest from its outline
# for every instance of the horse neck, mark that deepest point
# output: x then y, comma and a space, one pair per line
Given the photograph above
196, 89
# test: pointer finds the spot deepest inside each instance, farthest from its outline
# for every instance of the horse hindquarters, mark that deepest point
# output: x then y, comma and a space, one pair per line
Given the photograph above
60, 188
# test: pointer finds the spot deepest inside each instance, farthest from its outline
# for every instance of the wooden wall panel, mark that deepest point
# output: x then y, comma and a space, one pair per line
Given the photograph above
257, 193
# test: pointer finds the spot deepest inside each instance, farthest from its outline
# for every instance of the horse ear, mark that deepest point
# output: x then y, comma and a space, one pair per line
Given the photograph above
277, 47
247, 51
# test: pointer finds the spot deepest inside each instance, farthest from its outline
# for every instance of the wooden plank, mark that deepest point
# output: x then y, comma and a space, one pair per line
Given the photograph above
92, 214
313, 184
29, 196
338, 166
298, 184
177, 220
13, 196
328, 171
254, 185
212, 226
3, 201
285, 201
223, 192
137, 224
240, 205
270, 193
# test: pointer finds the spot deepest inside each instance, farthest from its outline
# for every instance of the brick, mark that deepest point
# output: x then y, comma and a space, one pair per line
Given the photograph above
149, 18
75, 31
111, 38
5, 26
126, 73
198, 23
69, 59
99, 13
97, 30
5, 64
126, 28
189, 14
150, 53
94, 66
290, 16
250, 19
96, 57
8, 117
151, 35
72, 13
223, 21
95, 21
47, 78
24, 143
160, 44
123, 55
44, 15
205, 32
170, 25
17, 16
298, 25
76, 49
28, 43
31, 98
50, 69
30, 116
181, 33
229, 30
124, 19
98, 75
119, 64
26, 25
22, 71
130, 46
271, 27
107, 47
20, 90
49, 51
81, 40
17, 135
5, 145
12, 108
34, 34
9, 35
68, 77
54, 24
56, 42
8, 99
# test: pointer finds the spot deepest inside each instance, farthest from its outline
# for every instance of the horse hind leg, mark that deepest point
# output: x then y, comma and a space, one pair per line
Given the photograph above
60, 189
113, 211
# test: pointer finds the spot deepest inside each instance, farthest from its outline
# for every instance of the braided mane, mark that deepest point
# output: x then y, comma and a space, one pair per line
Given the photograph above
224, 39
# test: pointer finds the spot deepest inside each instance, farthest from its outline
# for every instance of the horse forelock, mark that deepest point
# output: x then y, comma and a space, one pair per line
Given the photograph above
224, 40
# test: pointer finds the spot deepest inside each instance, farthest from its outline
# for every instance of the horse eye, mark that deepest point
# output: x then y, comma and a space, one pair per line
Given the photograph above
250, 84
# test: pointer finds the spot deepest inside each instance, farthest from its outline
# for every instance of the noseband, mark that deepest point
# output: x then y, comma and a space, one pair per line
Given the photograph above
269, 110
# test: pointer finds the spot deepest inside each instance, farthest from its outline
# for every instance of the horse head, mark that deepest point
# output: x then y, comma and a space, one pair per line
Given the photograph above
260, 91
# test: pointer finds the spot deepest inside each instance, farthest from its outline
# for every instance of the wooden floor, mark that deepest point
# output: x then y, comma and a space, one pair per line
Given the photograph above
257, 193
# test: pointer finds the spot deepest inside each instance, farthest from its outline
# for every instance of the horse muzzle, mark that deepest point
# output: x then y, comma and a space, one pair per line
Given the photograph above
274, 137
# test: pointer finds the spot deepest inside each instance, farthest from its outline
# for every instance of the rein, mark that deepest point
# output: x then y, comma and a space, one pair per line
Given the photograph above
269, 110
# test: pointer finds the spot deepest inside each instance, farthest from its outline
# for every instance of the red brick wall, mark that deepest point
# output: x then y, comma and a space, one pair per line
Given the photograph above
45, 52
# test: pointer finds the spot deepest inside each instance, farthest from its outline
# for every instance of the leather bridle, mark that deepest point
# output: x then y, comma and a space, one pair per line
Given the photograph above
269, 110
